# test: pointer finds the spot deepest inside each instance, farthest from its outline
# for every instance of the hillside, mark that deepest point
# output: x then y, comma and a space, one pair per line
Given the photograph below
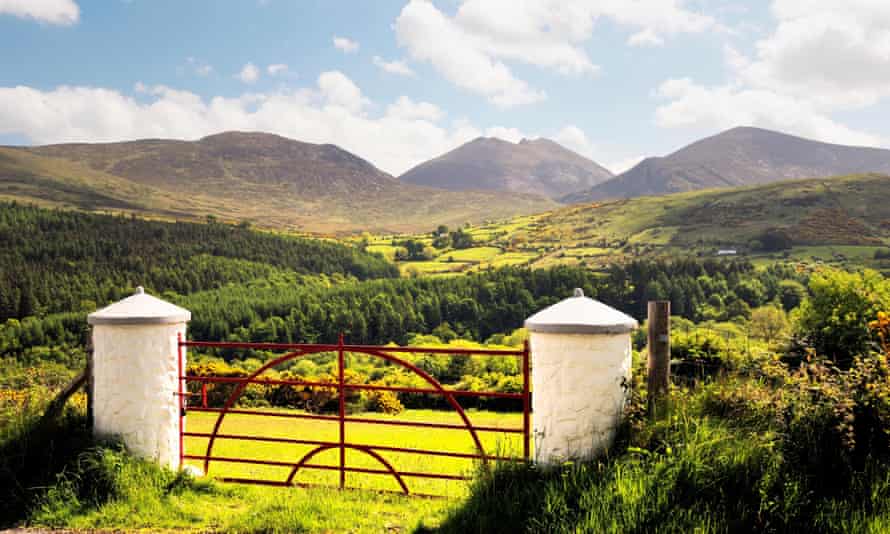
737, 157
64, 261
538, 166
268, 179
829, 218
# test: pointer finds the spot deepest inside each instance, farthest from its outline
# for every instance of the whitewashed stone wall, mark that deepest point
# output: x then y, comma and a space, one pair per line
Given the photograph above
135, 375
578, 392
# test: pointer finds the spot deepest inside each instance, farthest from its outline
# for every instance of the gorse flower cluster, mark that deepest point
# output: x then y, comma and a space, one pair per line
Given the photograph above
881, 327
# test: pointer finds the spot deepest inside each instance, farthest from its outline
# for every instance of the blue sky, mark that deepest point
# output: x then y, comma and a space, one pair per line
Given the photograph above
401, 81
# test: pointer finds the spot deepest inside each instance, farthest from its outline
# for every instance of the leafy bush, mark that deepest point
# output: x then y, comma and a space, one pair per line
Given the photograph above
834, 321
791, 294
775, 239
383, 401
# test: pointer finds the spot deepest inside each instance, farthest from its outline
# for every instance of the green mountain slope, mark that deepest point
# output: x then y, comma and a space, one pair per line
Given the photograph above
62, 261
845, 215
841, 210
268, 179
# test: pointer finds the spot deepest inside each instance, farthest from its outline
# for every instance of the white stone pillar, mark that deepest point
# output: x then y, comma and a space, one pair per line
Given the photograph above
581, 358
136, 375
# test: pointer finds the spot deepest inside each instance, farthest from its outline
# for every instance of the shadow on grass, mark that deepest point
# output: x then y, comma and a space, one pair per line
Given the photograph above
53, 473
32, 455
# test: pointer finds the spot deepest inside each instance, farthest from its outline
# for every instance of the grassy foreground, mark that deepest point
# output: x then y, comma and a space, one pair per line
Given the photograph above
56, 477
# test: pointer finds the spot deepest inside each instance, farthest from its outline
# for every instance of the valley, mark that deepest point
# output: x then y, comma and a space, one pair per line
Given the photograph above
835, 220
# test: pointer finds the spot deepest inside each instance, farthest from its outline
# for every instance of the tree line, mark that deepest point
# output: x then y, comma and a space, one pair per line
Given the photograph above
59, 261
287, 307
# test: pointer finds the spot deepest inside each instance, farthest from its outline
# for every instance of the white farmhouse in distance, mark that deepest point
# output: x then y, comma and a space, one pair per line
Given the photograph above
727, 252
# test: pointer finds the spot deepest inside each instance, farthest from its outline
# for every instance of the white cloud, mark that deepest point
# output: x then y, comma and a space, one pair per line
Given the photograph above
726, 106
395, 137
431, 36
822, 57
405, 108
346, 45
338, 90
471, 48
393, 67
646, 37
249, 73
277, 68
61, 12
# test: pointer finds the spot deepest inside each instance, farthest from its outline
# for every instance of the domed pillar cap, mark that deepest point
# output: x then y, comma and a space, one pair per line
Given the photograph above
140, 308
580, 315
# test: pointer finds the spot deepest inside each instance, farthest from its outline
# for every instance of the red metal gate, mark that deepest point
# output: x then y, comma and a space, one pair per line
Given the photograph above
294, 351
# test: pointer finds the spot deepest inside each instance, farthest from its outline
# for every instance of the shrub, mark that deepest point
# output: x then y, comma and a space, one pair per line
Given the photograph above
699, 353
768, 323
835, 318
775, 239
219, 392
383, 401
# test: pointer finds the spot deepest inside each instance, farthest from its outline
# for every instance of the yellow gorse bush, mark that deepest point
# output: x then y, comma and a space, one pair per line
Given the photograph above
881, 326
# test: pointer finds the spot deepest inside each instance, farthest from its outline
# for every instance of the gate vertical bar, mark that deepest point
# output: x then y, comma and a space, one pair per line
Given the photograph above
526, 405
340, 365
181, 394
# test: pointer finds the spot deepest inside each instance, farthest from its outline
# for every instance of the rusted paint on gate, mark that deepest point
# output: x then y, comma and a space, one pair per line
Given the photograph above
300, 350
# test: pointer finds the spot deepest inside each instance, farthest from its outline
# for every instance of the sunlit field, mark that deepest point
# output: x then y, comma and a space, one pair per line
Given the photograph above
447, 440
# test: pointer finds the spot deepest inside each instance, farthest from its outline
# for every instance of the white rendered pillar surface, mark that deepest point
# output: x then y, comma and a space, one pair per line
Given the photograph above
135, 376
579, 395
581, 363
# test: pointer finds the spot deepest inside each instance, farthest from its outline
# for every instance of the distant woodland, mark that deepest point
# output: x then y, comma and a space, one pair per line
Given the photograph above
244, 285
58, 261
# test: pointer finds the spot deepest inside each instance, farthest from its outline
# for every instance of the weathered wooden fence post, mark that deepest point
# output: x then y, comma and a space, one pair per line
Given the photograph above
659, 363
581, 361
136, 375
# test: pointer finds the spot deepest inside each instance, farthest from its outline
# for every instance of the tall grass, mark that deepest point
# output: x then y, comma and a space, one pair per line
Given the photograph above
704, 477
71, 482
802, 452
32, 454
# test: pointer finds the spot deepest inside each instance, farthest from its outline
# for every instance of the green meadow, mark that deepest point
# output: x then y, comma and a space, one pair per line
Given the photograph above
840, 221
445, 440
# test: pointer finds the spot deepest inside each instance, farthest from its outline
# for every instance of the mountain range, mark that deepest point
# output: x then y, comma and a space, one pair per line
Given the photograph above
320, 188
737, 157
538, 166
238, 176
